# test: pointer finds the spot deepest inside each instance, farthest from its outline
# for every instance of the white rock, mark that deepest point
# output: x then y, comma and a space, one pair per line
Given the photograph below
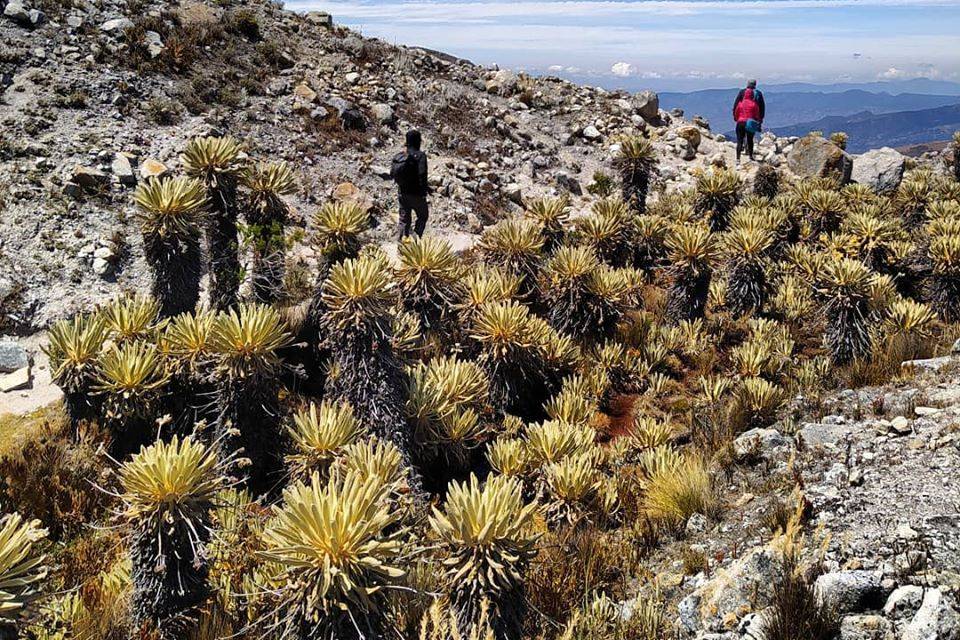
592, 133
16, 380
116, 25
903, 602
880, 169
937, 619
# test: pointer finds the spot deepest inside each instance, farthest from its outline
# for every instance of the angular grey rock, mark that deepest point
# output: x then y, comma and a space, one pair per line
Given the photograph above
320, 18
904, 602
816, 157
647, 104
851, 591
504, 82
120, 167
696, 524
568, 182
383, 113
16, 380
879, 169
937, 619
866, 627
18, 12
89, 178
12, 357
928, 364
763, 443
743, 586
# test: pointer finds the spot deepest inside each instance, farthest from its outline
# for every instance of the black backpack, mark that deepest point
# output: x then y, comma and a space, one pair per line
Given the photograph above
405, 171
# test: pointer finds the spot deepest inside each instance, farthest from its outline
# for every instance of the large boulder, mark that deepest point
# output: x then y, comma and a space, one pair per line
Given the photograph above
744, 587
851, 591
937, 619
12, 357
816, 157
504, 82
879, 169
647, 104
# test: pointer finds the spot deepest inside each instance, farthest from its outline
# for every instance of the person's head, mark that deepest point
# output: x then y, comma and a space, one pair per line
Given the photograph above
414, 139
751, 84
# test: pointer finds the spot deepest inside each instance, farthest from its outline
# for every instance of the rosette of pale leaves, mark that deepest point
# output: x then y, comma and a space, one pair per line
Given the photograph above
358, 295
210, 158
131, 377
170, 207
22, 566
337, 228
485, 533
246, 340
339, 548
130, 318
320, 434
74, 350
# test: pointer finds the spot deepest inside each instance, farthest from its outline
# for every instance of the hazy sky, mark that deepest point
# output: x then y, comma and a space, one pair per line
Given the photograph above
711, 42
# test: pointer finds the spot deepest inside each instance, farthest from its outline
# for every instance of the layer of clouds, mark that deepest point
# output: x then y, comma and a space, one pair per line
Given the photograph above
708, 40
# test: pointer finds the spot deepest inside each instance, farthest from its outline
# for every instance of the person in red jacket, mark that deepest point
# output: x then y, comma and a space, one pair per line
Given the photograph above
748, 106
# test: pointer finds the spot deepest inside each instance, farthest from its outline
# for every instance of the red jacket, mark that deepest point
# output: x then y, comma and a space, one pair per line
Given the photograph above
747, 108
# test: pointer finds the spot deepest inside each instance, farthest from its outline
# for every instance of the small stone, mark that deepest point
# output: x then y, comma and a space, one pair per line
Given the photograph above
122, 169
956, 347
926, 411
320, 18
383, 113
592, 133
905, 532
352, 78
305, 93
151, 168
116, 25
696, 524
16, 380
647, 104
690, 134
18, 12
866, 627
513, 193
12, 357
101, 266
937, 619
89, 178
901, 426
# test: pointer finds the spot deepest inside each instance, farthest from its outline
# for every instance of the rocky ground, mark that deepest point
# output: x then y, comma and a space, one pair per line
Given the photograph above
878, 467
93, 98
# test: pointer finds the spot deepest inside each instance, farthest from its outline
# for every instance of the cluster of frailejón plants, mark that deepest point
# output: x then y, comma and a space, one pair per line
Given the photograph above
394, 451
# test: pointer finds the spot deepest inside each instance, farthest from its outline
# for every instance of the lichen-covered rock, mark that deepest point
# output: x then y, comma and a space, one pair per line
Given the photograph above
866, 627
745, 586
937, 619
851, 591
816, 157
879, 169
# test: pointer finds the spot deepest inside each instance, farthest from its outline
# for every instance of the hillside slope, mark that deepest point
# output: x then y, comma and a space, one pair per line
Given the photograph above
92, 96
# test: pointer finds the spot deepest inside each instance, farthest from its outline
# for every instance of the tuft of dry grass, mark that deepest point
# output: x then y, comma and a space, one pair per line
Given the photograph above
676, 493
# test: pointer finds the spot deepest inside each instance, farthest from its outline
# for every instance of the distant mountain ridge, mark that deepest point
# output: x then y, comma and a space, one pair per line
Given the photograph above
786, 108
868, 130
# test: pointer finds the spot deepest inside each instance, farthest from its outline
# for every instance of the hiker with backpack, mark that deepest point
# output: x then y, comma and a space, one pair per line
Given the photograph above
748, 112
409, 171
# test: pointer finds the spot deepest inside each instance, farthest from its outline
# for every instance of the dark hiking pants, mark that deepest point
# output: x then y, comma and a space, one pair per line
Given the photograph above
408, 205
741, 134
